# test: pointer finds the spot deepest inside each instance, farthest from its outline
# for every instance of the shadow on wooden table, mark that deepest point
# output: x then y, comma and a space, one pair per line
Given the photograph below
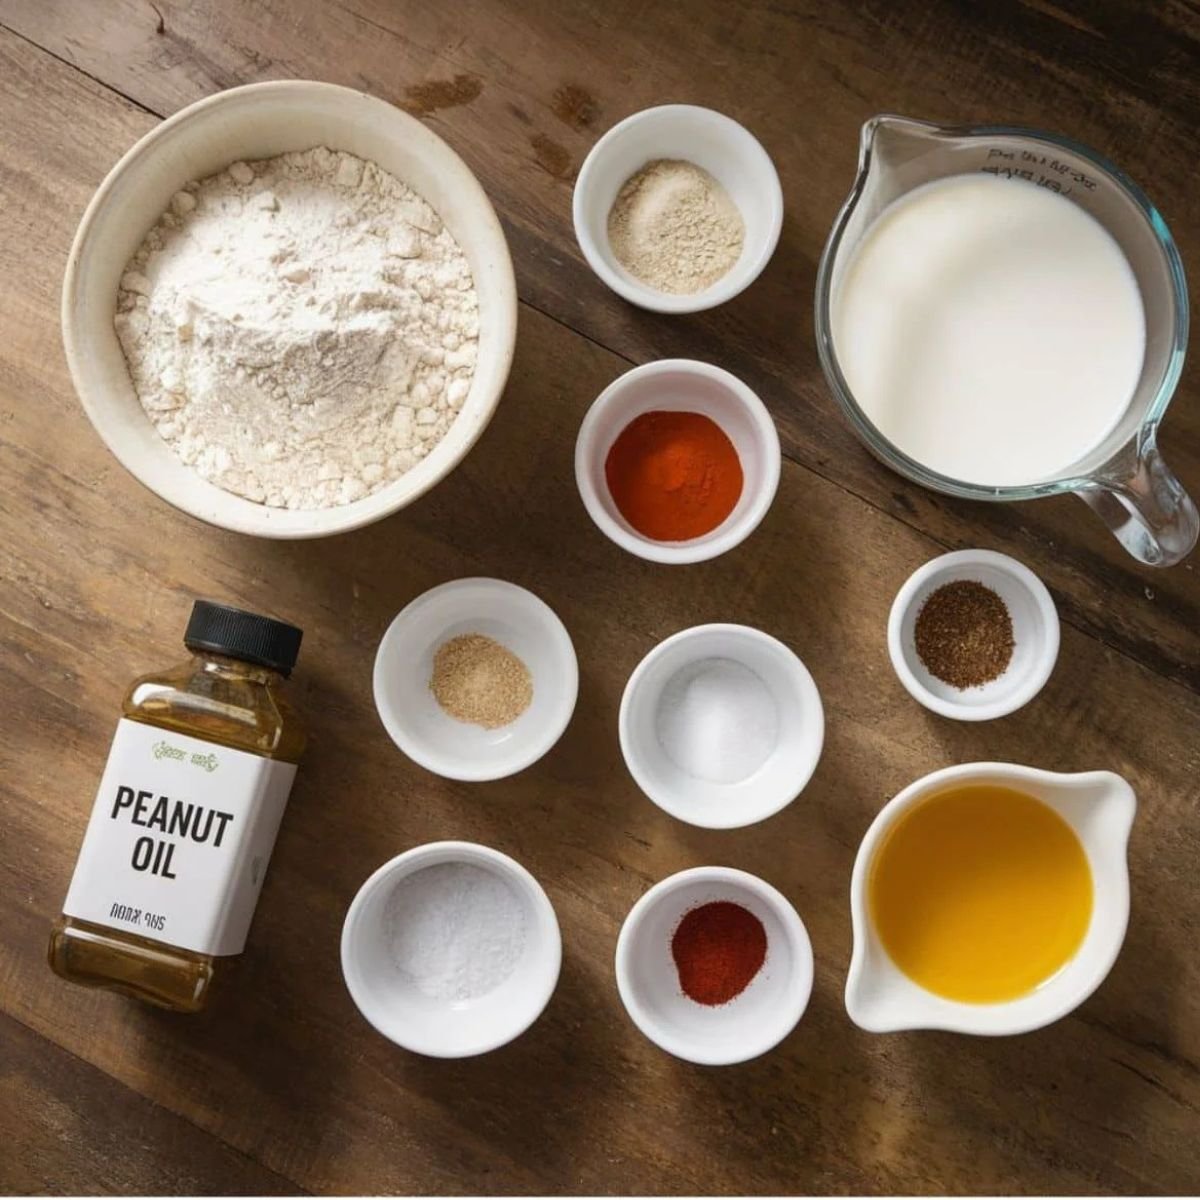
569, 1060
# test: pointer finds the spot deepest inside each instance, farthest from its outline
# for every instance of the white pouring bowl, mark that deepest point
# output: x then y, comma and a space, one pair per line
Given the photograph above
729, 152
1099, 806
448, 1028
510, 615
751, 1023
260, 121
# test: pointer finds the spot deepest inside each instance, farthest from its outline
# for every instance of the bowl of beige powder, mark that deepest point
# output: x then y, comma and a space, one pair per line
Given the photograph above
476, 679
678, 208
289, 310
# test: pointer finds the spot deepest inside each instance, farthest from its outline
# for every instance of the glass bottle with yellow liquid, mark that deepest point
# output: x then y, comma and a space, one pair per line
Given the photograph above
186, 815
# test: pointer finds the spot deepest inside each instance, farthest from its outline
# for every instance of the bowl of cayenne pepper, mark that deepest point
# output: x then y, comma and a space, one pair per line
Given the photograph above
714, 965
677, 461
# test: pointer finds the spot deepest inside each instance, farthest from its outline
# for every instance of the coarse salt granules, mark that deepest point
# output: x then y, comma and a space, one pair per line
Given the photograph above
455, 931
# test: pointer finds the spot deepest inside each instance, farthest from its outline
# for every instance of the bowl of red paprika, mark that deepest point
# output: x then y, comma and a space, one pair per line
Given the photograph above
714, 966
677, 461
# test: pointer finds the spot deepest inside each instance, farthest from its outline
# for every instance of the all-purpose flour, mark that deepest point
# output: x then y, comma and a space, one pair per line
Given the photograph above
301, 330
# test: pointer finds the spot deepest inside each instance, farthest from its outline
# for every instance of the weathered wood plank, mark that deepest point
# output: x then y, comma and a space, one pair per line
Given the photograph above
522, 90
95, 579
71, 1129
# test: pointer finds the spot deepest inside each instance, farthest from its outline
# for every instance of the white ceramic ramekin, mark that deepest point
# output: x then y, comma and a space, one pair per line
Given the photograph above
680, 385
1099, 806
1035, 635
717, 144
750, 1024
786, 771
262, 120
448, 1029
519, 621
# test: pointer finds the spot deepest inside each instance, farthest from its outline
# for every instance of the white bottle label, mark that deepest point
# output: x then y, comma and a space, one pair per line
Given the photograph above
179, 839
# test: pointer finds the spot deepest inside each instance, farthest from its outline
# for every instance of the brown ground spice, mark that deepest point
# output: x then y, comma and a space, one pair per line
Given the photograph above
477, 680
964, 634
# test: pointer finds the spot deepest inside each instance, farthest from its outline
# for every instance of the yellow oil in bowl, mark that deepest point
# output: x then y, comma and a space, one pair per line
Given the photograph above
980, 893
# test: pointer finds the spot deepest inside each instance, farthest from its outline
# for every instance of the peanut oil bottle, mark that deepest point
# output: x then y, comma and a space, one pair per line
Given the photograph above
186, 815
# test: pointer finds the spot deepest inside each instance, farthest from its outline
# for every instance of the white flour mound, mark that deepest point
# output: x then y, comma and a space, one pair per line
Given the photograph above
301, 330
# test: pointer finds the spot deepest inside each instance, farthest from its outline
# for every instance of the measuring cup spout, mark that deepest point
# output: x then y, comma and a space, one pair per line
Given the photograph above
1144, 505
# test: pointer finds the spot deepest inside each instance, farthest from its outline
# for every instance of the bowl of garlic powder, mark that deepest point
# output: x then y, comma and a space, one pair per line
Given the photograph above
678, 208
289, 310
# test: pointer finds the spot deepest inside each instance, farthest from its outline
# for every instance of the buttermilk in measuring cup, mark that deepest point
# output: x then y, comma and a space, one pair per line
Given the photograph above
990, 329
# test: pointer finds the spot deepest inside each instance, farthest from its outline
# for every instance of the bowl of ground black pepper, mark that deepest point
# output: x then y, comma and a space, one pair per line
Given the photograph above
973, 635
476, 679
714, 965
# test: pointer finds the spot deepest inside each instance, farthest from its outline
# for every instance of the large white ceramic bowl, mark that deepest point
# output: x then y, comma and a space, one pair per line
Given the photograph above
260, 121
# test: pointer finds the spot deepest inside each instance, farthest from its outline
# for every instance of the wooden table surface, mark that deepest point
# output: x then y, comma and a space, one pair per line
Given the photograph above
282, 1087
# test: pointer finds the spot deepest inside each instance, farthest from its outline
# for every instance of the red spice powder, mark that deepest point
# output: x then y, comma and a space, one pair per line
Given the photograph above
718, 949
674, 475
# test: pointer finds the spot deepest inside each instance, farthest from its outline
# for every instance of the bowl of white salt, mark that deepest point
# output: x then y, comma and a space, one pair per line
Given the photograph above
451, 949
721, 725
289, 310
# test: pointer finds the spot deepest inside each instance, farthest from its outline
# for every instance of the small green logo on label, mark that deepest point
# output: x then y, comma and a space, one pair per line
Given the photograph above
206, 762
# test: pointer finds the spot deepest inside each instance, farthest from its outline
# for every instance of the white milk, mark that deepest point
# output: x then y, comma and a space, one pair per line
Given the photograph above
990, 329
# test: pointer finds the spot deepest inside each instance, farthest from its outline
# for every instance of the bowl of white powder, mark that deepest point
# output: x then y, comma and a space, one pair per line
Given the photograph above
289, 310
451, 949
721, 726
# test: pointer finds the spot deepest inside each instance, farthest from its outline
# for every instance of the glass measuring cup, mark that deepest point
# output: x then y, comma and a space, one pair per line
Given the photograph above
1123, 478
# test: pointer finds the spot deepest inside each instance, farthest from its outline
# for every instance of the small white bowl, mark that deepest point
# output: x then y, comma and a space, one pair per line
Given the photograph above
751, 1023
680, 385
1035, 635
508, 614
448, 1028
262, 120
717, 144
1099, 806
786, 771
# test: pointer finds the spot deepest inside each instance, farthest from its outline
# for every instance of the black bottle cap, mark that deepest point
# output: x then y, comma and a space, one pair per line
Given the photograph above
243, 635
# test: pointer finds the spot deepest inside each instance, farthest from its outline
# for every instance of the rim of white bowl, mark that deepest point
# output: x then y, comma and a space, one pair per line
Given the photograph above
351, 516
430, 854
731, 533
810, 700
1045, 655
728, 286
797, 933
552, 731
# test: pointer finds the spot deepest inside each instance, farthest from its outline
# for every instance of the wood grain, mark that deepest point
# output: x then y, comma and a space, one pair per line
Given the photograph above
96, 576
70, 1129
515, 88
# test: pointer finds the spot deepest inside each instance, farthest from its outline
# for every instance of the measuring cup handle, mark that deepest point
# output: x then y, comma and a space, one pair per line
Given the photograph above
1146, 508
